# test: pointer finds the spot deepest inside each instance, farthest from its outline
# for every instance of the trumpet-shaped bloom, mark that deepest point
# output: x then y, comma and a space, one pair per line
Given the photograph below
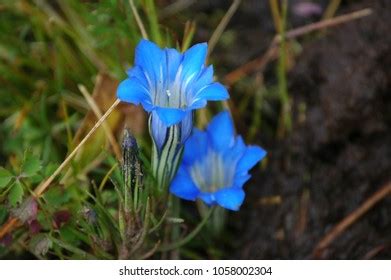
169, 83
215, 165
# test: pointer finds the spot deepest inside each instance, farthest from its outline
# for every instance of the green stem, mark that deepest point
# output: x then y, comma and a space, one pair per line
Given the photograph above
165, 160
190, 236
175, 229
285, 121
81, 253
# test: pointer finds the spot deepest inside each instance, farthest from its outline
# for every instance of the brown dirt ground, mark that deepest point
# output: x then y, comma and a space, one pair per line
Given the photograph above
338, 154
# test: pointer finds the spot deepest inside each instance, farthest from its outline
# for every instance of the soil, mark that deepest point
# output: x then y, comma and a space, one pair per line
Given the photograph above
338, 154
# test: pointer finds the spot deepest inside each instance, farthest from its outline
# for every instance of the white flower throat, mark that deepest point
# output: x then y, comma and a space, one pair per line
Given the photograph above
170, 94
211, 173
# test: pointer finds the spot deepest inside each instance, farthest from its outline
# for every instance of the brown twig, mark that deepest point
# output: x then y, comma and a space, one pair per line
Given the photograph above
8, 226
42, 187
375, 251
271, 53
302, 220
328, 23
350, 219
98, 113
251, 66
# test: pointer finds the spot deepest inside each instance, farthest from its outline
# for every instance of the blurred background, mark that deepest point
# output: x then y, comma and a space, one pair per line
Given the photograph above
309, 81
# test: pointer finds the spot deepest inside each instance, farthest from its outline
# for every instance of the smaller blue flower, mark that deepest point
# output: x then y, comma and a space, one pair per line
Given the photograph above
215, 165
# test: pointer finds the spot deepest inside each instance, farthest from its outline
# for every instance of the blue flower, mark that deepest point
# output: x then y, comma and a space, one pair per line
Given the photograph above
170, 84
215, 165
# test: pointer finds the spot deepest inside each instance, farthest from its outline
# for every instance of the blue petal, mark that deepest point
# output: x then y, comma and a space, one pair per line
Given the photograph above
221, 131
208, 198
240, 179
214, 92
170, 116
198, 104
251, 157
173, 60
196, 147
183, 186
131, 90
158, 130
186, 126
205, 78
193, 60
151, 59
233, 155
138, 73
230, 198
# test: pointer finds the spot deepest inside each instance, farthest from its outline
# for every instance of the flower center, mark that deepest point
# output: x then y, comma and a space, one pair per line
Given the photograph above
169, 93
212, 173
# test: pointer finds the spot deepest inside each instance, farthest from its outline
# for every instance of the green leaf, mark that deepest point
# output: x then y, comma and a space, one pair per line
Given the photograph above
69, 236
3, 214
16, 194
5, 177
31, 166
56, 197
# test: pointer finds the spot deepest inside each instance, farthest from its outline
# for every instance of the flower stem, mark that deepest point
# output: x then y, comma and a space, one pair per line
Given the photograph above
190, 236
166, 159
285, 115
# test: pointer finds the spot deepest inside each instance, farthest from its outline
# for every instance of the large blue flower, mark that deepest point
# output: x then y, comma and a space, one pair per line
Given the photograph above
215, 165
170, 84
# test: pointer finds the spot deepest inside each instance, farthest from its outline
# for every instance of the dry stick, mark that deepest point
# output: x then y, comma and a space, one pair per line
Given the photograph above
42, 187
373, 252
271, 52
98, 114
256, 64
327, 23
222, 25
13, 222
350, 219
138, 19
